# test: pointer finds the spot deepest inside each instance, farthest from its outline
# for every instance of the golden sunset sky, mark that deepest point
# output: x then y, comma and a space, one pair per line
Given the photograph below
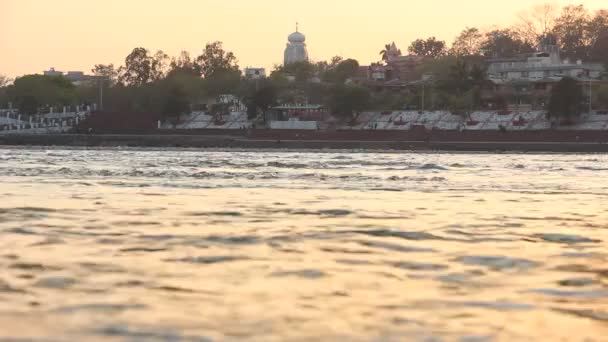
76, 34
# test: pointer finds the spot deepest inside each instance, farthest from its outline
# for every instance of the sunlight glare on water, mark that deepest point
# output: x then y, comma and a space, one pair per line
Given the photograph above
284, 246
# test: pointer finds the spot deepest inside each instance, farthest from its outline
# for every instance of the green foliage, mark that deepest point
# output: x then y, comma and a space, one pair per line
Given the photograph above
177, 102
384, 52
224, 81
386, 100
141, 67
340, 72
601, 97
462, 104
504, 44
259, 95
571, 29
302, 71
184, 64
4, 81
106, 71
566, 99
33, 91
468, 43
347, 101
215, 59
430, 47
599, 50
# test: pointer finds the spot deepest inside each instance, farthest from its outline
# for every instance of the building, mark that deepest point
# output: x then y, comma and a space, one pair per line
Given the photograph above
542, 65
398, 69
255, 73
526, 82
53, 72
77, 78
405, 68
376, 72
296, 50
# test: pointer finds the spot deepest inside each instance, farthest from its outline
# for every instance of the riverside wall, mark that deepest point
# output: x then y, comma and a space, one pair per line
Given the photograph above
534, 141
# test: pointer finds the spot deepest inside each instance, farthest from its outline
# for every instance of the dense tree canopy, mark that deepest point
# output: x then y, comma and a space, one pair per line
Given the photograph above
571, 29
536, 23
468, 42
106, 71
177, 102
430, 47
31, 92
339, 72
184, 64
4, 81
141, 67
567, 99
156, 84
504, 44
348, 101
601, 97
215, 59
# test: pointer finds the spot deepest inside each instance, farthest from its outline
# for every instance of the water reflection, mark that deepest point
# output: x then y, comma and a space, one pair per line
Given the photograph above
267, 246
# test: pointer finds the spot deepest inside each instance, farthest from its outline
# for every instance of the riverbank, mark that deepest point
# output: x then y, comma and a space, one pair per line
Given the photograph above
297, 143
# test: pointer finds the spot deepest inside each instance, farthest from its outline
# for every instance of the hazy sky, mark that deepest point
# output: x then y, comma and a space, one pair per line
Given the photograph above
76, 34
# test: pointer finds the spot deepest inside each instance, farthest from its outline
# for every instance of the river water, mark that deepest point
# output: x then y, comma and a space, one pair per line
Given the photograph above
167, 245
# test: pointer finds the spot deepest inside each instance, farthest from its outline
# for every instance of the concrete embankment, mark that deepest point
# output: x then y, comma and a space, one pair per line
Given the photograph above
242, 142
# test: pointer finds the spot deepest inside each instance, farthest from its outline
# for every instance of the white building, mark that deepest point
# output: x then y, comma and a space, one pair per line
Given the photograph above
296, 48
77, 78
542, 65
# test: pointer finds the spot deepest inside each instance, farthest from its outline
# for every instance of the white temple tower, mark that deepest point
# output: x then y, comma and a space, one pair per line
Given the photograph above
296, 48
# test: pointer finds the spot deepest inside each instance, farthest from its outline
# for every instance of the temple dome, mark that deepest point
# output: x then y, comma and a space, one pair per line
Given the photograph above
297, 37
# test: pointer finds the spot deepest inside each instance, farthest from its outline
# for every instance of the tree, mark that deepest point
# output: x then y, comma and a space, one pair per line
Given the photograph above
597, 31
177, 103
33, 91
260, 94
462, 104
302, 71
468, 43
184, 64
571, 30
141, 68
601, 97
536, 23
348, 101
335, 60
222, 82
597, 26
160, 62
431, 47
566, 99
215, 59
344, 70
4, 81
505, 44
385, 52
106, 71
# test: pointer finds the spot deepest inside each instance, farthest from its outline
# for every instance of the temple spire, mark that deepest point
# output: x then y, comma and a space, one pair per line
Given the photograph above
297, 27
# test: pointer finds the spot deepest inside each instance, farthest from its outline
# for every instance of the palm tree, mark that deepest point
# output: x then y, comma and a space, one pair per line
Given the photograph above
384, 53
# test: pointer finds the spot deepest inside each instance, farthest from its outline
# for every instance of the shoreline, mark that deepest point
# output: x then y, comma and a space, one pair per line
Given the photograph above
224, 142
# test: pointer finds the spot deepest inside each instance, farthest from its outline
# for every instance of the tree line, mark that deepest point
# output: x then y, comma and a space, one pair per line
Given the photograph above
162, 86
580, 34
